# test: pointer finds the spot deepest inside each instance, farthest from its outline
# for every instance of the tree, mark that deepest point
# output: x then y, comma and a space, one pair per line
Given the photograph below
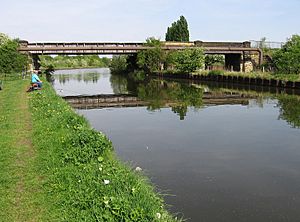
118, 64
178, 31
262, 43
11, 60
189, 60
3, 38
151, 59
287, 59
211, 60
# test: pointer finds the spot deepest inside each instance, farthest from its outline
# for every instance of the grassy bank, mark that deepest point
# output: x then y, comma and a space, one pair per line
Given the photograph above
54, 167
253, 75
20, 183
83, 179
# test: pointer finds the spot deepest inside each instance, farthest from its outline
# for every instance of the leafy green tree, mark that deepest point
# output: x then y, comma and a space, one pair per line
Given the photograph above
151, 59
178, 31
11, 61
211, 60
118, 64
287, 59
189, 60
3, 38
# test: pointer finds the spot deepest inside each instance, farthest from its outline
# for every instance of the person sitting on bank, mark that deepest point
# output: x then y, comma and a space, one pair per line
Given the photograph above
35, 79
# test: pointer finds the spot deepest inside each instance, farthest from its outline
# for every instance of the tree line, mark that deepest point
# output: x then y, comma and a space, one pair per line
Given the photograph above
63, 61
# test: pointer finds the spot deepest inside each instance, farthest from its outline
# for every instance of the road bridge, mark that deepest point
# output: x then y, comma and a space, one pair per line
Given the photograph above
235, 52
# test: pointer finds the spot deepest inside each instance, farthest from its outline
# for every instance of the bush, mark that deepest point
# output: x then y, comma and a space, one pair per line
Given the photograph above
11, 61
118, 64
287, 59
189, 60
150, 60
216, 72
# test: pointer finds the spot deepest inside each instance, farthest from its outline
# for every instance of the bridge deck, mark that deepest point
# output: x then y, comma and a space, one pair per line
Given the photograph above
130, 48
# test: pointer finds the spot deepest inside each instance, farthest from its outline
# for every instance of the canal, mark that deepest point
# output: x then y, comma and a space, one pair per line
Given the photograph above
216, 152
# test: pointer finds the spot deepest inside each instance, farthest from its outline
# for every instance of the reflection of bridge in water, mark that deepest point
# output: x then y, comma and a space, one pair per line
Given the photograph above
126, 100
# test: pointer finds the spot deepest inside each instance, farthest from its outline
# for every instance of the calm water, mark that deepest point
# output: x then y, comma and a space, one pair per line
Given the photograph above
217, 159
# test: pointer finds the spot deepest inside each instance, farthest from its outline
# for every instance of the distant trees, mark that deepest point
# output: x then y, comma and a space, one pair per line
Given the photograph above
287, 59
86, 61
178, 31
11, 61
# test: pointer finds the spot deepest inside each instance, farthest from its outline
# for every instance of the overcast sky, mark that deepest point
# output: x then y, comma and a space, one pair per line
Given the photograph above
135, 20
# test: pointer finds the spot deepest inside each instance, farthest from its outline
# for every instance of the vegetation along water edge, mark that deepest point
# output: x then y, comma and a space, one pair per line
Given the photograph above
83, 179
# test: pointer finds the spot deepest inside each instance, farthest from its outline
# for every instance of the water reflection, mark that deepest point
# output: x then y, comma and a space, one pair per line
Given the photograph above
179, 97
234, 156
290, 109
82, 82
85, 77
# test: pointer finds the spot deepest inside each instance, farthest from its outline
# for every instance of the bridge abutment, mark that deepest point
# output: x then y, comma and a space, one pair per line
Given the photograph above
233, 62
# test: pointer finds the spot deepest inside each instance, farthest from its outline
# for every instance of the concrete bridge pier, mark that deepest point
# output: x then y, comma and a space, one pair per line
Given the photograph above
233, 62
36, 61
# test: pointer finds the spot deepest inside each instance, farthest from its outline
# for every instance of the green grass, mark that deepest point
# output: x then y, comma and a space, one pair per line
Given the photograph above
19, 181
54, 167
77, 161
255, 75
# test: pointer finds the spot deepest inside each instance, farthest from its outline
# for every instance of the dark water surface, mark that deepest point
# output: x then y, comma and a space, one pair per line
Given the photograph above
235, 159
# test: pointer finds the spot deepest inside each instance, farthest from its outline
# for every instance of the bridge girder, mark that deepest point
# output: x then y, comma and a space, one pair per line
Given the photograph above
133, 48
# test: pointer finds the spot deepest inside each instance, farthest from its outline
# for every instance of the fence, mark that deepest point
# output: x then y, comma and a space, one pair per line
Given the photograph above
264, 44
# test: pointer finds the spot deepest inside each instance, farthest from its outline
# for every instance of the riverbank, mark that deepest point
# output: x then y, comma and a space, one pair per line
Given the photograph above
255, 78
64, 170
20, 182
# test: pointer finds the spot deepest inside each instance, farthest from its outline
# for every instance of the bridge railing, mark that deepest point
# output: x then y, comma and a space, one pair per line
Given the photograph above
268, 45
66, 45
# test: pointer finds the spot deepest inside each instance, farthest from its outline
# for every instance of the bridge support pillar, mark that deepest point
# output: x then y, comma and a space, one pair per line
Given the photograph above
36, 62
233, 62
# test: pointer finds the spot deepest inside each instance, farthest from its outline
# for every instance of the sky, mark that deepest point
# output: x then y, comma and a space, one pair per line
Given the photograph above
136, 20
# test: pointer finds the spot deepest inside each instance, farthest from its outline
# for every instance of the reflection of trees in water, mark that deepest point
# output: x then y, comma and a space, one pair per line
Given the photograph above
119, 84
290, 109
63, 78
178, 96
50, 78
91, 77
86, 77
